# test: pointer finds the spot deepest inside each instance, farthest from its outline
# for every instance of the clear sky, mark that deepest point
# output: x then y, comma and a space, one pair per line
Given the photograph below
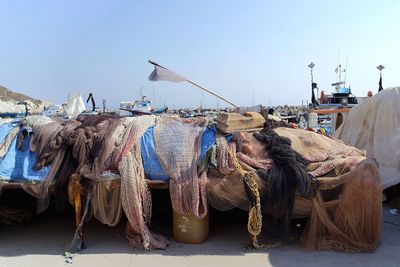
252, 52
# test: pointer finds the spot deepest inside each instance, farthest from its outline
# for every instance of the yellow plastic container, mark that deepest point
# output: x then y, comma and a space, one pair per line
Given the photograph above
189, 228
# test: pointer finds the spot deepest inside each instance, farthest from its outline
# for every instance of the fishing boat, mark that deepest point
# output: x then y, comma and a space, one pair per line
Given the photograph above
331, 109
341, 97
139, 107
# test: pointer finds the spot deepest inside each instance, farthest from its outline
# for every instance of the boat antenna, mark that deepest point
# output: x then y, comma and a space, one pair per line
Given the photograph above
201, 100
141, 91
337, 70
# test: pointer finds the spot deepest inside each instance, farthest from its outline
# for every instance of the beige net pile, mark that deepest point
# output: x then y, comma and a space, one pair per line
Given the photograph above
177, 143
350, 223
106, 202
344, 210
352, 220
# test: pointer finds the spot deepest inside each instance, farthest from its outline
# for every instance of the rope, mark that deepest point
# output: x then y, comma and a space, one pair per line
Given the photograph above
254, 224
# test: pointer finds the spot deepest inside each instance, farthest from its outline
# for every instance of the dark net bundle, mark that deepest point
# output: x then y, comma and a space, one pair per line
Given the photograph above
272, 124
288, 174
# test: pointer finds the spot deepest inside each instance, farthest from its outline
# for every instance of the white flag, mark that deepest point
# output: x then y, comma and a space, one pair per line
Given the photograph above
162, 74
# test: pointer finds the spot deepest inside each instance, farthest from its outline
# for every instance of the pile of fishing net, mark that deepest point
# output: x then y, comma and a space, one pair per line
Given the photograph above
87, 148
302, 174
281, 172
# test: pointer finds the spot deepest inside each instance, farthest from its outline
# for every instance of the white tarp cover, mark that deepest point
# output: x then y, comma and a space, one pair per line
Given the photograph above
11, 107
75, 106
374, 125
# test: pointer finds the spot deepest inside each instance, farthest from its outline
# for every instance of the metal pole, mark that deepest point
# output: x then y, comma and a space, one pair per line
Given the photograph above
214, 94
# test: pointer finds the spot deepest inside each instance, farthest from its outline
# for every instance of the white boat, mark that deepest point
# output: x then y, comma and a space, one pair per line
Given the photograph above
138, 107
142, 105
331, 109
71, 109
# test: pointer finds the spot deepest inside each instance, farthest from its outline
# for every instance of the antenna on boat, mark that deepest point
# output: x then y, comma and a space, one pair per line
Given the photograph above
337, 70
201, 100
345, 70
141, 91
104, 105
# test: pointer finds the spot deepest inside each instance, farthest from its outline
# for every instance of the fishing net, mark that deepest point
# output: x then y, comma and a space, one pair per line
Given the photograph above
255, 172
224, 163
344, 206
327, 156
135, 195
106, 201
352, 221
177, 143
93, 143
49, 148
80, 146
225, 186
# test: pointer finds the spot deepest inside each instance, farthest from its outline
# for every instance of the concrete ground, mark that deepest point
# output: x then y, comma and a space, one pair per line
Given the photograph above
42, 241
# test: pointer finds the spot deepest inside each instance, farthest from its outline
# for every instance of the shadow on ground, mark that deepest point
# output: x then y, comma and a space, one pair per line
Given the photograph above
48, 234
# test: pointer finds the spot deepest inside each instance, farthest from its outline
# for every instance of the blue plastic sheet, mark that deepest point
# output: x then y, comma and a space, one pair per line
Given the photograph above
151, 164
152, 167
17, 165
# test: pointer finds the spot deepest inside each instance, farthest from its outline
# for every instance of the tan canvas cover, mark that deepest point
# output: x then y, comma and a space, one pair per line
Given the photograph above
374, 125
232, 122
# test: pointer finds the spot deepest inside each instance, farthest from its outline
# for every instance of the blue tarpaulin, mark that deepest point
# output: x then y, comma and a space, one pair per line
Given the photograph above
17, 165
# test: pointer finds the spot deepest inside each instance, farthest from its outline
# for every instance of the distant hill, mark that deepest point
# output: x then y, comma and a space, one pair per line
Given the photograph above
9, 102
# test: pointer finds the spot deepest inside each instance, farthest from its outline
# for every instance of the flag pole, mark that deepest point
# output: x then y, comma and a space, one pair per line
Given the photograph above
214, 94
199, 86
